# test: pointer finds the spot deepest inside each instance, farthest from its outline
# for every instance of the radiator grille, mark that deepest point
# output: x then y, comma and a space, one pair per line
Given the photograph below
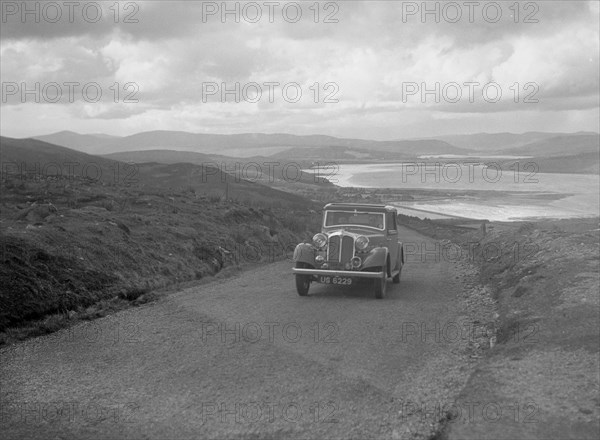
340, 253
333, 248
347, 249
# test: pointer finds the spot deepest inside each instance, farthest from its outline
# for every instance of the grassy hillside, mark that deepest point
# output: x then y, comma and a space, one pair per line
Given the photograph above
269, 171
77, 247
163, 156
31, 158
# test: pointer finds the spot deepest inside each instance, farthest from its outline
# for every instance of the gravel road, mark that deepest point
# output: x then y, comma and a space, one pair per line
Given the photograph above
246, 357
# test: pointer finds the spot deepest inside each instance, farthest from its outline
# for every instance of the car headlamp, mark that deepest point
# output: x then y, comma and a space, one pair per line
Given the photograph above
361, 243
319, 240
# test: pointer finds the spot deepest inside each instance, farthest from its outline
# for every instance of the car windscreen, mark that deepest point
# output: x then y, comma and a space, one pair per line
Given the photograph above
354, 218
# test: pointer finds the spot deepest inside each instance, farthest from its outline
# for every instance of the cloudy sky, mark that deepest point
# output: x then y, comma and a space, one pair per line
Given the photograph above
380, 70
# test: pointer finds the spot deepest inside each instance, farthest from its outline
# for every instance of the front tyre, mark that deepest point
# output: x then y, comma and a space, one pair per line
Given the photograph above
302, 281
302, 284
380, 283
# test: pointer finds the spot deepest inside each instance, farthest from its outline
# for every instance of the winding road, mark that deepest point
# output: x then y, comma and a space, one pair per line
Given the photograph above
246, 357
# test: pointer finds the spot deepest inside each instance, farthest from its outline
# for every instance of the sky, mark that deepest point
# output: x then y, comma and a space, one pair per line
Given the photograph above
373, 70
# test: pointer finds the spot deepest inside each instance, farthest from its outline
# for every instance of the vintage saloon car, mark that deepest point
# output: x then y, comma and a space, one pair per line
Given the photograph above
357, 241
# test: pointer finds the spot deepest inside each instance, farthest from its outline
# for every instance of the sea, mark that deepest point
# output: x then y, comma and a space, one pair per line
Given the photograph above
476, 189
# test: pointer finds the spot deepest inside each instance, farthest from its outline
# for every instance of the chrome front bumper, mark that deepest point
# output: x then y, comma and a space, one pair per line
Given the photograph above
337, 273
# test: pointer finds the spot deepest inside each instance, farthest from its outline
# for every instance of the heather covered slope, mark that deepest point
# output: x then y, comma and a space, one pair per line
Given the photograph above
70, 243
32, 158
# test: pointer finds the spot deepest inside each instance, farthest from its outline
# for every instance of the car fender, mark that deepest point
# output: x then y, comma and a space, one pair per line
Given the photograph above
304, 253
376, 258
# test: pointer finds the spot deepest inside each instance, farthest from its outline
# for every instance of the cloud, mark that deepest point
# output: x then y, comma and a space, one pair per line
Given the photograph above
166, 53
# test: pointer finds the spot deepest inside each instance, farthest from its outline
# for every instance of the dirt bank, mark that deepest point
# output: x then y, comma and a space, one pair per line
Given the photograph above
540, 378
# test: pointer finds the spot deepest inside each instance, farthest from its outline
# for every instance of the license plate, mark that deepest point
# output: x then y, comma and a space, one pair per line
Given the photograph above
344, 281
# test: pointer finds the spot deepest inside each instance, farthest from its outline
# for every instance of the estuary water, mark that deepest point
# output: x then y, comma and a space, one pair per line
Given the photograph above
478, 191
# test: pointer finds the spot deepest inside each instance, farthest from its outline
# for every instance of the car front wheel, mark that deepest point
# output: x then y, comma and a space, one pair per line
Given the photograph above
302, 281
380, 284
302, 284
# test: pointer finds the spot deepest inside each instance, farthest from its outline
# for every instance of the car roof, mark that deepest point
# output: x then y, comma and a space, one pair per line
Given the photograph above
360, 207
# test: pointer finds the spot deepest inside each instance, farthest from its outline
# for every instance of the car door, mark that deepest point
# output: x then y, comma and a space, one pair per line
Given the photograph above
392, 238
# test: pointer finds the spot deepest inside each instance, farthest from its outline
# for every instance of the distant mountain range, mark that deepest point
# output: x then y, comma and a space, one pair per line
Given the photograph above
288, 145
494, 142
564, 145
238, 145
32, 158
578, 152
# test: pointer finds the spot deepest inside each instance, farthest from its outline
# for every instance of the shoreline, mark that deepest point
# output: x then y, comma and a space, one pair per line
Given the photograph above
470, 205
472, 160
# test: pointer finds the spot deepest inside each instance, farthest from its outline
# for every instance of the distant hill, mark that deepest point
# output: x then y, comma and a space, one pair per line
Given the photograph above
266, 170
567, 145
87, 143
210, 180
162, 156
351, 154
417, 147
41, 159
577, 154
491, 142
585, 163
239, 145
34, 159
